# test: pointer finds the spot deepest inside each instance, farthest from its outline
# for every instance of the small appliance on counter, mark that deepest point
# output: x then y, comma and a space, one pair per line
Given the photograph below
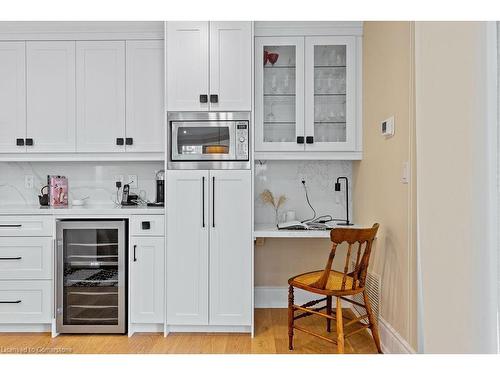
160, 190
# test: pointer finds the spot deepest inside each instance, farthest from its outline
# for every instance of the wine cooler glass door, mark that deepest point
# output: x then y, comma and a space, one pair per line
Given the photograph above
91, 277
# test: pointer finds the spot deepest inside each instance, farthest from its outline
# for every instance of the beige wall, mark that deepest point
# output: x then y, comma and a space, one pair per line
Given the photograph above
379, 196
454, 140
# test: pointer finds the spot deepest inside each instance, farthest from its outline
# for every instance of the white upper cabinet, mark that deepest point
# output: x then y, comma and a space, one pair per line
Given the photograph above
187, 66
308, 97
100, 83
145, 98
209, 66
230, 66
50, 96
12, 97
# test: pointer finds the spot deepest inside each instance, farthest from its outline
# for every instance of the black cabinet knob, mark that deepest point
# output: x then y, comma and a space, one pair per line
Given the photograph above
146, 225
129, 141
214, 98
119, 141
309, 139
29, 141
19, 142
300, 140
203, 98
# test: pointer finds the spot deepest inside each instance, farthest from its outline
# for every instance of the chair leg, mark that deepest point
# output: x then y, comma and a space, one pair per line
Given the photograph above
328, 312
340, 328
290, 317
373, 322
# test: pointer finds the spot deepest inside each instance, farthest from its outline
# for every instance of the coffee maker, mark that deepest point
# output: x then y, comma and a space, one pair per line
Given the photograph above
160, 189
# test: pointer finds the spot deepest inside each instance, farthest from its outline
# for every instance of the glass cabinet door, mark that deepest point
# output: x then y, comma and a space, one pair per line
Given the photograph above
279, 94
330, 87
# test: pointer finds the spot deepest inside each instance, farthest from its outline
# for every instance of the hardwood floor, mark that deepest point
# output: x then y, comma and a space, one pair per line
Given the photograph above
271, 336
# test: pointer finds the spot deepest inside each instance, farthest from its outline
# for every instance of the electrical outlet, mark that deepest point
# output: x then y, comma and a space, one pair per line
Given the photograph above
132, 181
119, 177
28, 181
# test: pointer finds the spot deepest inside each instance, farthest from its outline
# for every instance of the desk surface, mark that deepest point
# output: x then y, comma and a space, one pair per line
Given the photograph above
269, 230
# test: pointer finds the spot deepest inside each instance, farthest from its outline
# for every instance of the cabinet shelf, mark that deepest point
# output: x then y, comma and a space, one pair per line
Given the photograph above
331, 122
279, 95
329, 66
338, 94
278, 122
280, 66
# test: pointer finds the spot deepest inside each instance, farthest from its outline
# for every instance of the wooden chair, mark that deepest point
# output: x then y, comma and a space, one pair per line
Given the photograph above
331, 283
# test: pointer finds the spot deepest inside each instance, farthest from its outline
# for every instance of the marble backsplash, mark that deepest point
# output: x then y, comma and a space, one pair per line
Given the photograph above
284, 177
93, 179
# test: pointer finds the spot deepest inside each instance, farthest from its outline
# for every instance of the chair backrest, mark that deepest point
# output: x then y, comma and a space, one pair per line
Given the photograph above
363, 237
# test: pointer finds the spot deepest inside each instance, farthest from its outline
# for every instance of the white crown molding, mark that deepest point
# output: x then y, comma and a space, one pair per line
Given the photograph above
301, 28
80, 30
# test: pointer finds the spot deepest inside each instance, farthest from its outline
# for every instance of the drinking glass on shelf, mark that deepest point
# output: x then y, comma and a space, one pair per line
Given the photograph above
274, 85
270, 116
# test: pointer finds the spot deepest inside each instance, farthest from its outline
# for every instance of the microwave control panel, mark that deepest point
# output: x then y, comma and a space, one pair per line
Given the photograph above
242, 140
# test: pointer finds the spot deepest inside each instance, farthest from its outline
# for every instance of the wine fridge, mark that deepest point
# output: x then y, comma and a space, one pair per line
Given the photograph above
91, 276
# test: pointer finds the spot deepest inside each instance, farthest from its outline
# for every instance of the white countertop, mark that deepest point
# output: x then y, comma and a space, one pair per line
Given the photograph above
94, 209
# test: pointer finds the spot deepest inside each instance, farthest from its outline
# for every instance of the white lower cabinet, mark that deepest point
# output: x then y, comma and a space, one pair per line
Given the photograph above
147, 283
25, 301
209, 247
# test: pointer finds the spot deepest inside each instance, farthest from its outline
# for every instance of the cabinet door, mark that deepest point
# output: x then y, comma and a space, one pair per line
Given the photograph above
51, 96
187, 66
147, 283
187, 247
145, 105
330, 86
279, 94
230, 247
100, 84
12, 96
231, 66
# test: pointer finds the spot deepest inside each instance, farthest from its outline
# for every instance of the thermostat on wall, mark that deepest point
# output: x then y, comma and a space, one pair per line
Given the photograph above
387, 127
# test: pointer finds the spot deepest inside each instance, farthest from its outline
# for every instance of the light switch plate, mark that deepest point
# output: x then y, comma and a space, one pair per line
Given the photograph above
405, 173
387, 127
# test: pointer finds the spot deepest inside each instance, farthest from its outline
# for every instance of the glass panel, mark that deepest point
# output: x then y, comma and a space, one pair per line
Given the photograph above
90, 284
279, 93
203, 140
330, 93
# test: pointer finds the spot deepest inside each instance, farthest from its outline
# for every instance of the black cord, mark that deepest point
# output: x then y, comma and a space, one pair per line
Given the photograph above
308, 202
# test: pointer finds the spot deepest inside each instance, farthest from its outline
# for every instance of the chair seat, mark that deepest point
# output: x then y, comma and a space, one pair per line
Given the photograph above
334, 280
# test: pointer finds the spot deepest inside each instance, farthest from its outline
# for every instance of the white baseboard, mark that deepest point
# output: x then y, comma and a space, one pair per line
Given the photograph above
18, 327
208, 329
277, 297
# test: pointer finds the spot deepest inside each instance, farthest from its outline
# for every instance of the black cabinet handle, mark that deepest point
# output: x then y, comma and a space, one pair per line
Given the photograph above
119, 141
19, 142
146, 225
203, 98
214, 98
213, 202
29, 141
17, 301
135, 247
11, 258
203, 202
129, 141
300, 140
10, 225
309, 139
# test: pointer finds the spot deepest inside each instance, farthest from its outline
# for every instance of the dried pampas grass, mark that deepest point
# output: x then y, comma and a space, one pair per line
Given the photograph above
268, 198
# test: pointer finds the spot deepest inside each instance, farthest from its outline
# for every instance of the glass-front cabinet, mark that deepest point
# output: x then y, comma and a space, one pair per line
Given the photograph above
306, 93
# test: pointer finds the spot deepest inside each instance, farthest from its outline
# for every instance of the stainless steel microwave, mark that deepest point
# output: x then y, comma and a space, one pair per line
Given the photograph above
209, 140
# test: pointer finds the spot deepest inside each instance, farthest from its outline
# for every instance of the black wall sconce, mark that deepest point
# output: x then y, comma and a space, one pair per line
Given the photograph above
337, 188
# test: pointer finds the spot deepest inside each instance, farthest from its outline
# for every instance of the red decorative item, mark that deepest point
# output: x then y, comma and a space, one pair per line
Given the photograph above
272, 58
266, 54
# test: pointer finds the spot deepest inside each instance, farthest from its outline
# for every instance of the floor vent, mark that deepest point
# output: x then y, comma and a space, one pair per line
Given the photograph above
373, 288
